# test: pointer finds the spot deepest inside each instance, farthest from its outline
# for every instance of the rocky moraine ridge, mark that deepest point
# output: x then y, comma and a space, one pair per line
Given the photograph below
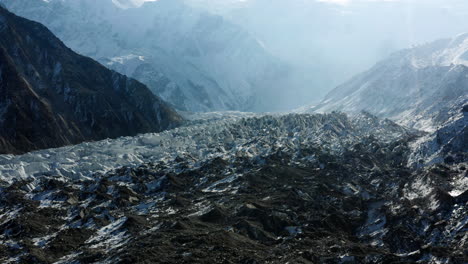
263, 189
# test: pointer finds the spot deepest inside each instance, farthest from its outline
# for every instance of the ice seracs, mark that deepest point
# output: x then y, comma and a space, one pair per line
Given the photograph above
232, 136
251, 183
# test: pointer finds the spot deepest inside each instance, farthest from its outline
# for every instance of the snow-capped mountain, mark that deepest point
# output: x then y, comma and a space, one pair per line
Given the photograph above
327, 43
444, 52
194, 60
425, 88
51, 96
420, 87
221, 187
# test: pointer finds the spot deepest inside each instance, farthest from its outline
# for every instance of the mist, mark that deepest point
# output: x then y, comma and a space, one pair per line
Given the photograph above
327, 42
245, 55
233, 131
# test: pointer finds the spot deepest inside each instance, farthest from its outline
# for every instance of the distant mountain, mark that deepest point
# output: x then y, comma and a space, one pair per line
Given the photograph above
417, 87
192, 59
50, 96
425, 88
327, 43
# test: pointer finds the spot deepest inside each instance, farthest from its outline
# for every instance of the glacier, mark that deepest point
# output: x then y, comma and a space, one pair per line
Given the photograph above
207, 136
245, 181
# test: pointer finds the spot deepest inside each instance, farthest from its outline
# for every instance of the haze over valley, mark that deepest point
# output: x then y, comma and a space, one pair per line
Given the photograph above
233, 131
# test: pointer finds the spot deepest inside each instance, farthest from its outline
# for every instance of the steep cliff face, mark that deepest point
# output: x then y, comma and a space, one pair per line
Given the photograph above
51, 96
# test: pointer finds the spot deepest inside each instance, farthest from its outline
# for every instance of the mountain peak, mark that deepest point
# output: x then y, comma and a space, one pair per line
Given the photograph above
443, 52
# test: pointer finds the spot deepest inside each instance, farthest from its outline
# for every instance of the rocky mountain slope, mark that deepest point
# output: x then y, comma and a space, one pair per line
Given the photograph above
261, 189
194, 60
51, 96
419, 87
425, 88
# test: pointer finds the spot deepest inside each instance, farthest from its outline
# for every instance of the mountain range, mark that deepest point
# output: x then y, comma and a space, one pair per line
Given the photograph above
424, 88
51, 96
375, 173
419, 87
192, 59
328, 42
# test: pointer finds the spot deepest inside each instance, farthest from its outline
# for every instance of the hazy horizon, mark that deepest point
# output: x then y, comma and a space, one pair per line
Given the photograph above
327, 42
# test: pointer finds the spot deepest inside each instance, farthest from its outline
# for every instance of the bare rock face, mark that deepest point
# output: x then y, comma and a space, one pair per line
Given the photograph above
51, 96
